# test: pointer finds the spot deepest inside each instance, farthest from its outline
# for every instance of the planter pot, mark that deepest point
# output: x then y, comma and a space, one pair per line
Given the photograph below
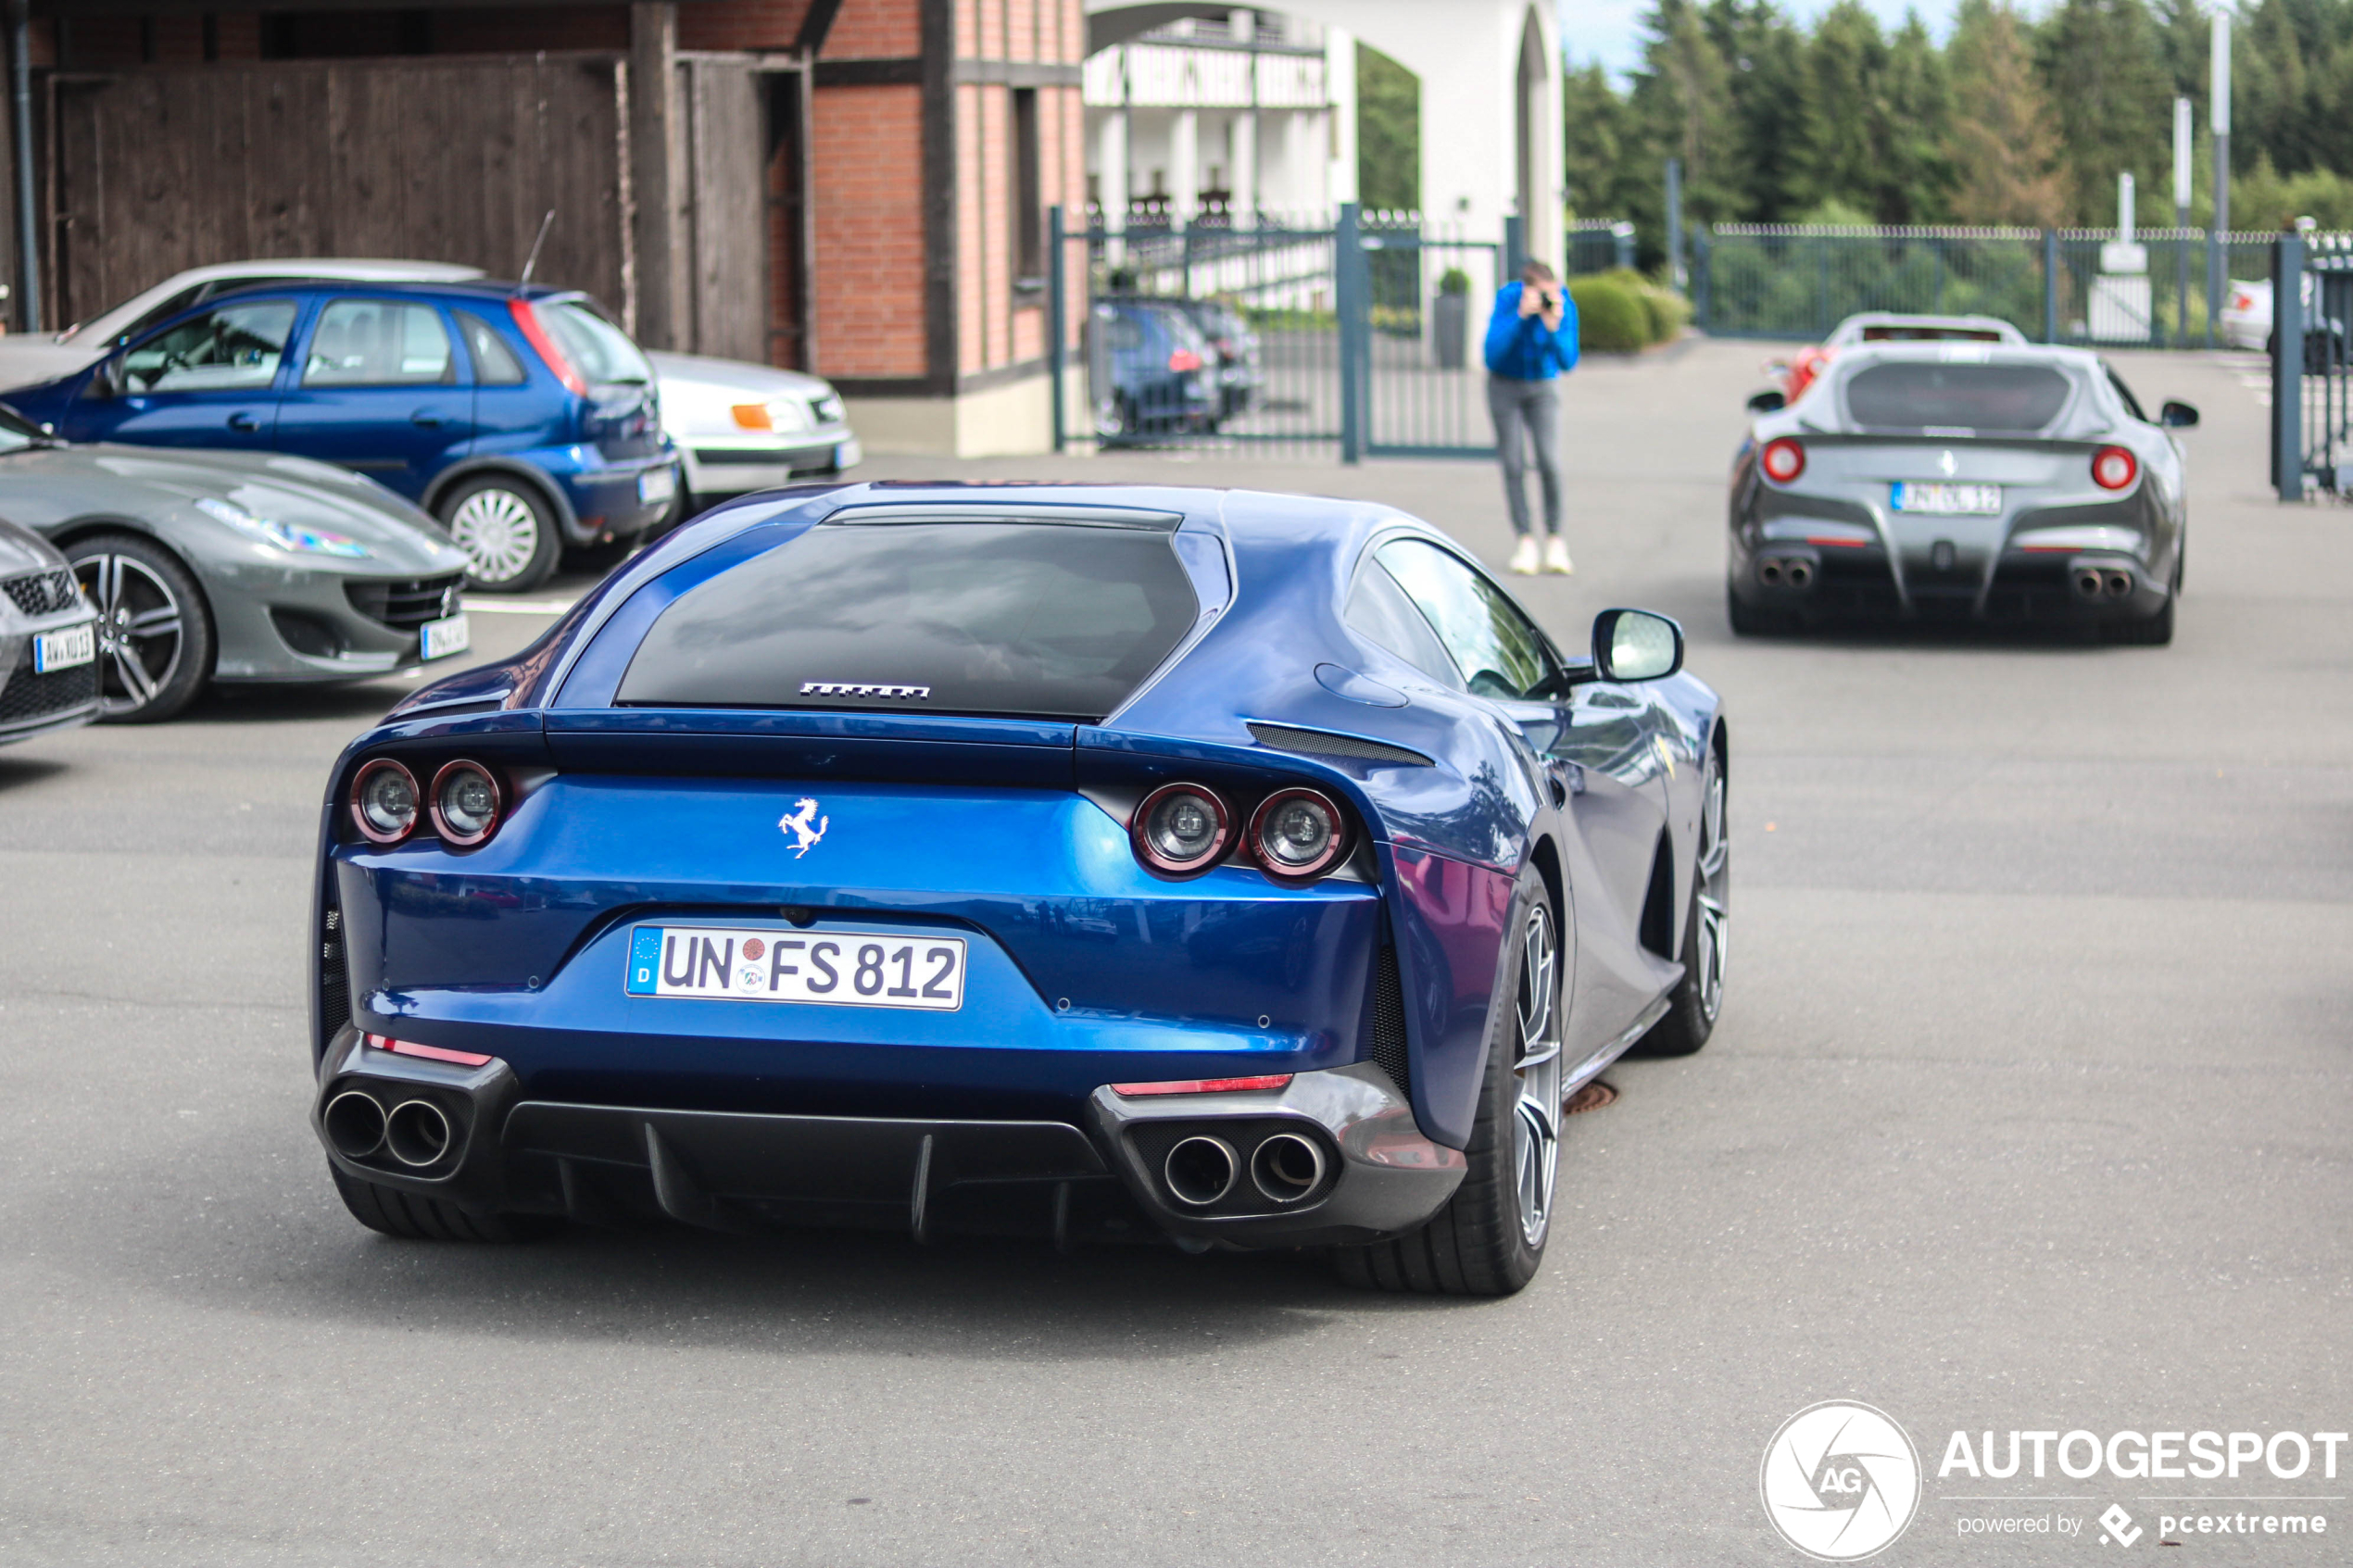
1450, 330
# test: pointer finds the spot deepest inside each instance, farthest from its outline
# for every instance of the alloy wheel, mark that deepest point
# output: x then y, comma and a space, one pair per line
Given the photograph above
142, 630
499, 531
1536, 1120
1712, 894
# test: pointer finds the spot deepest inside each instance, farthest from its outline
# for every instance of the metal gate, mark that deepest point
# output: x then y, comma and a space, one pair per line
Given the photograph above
2312, 365
1360, 338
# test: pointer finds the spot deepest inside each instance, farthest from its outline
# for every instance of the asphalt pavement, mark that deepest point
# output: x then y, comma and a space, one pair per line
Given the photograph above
2031, 1108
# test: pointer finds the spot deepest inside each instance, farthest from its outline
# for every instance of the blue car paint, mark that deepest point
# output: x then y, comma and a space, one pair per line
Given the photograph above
588, 450
518, 949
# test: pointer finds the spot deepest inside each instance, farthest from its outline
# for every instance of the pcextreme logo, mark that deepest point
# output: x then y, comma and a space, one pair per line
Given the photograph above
1839, 1480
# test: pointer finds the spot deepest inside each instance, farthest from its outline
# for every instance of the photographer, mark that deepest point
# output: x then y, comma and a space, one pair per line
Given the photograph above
1531, 338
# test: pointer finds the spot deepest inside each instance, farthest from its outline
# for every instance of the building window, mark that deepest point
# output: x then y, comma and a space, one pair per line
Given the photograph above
1029, 214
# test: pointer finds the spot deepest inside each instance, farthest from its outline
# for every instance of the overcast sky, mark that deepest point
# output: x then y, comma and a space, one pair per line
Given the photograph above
1609, 30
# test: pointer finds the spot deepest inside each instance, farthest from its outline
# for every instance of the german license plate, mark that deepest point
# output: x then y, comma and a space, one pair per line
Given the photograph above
63, 650
1948, 499
438, 639
657, 484
838, 969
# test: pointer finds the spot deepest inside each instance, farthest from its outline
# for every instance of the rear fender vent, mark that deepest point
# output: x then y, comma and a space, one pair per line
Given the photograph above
335, 979
1384, 1031
1316, 743
1658, 905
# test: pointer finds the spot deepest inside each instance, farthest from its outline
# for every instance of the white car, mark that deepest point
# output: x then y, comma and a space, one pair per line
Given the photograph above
2247, 314
739, 426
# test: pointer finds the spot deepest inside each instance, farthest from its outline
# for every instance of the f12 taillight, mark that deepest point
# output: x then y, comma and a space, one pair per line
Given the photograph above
1184, 360
1783, 459
543, 343
1180, 829
384, 802
465, 804
2114, 467
1298, 834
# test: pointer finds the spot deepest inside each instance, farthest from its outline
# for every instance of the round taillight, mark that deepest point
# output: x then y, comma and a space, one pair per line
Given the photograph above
1180, 829
1783, 459
1298, 833
2114, 467
465, 804
383, 802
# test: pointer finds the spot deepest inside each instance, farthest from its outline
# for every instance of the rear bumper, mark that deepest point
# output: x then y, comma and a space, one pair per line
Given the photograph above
738, 1172
2087, 587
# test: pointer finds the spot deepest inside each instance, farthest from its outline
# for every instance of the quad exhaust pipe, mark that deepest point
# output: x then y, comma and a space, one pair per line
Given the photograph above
1200, 1170
416, 1131
1286, 1167
1776, 571
2093, 582
354, 1125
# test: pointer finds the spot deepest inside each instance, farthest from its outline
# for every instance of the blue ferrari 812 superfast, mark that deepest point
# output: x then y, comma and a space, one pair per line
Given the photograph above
1086, 863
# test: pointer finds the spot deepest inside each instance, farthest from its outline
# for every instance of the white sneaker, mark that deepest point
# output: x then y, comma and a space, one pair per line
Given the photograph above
1557, 556
1524, 556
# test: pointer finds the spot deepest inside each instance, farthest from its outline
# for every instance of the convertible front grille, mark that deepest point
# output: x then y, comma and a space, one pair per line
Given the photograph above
42, 593
29, 696
1385, 1022
405, 604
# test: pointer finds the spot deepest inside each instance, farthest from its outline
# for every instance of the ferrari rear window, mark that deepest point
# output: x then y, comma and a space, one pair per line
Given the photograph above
1925, 394
1045, 619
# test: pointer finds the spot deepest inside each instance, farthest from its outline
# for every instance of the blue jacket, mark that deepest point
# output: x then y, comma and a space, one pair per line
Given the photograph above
1521, 347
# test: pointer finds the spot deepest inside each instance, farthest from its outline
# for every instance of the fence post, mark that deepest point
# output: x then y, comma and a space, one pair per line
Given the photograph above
2050, 285
1702, 277
1348, 283
2288, 367
1057, 323
1515, 248
1674, 223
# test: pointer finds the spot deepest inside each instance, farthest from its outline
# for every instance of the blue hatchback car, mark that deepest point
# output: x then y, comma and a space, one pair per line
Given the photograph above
520, 416
1089, 862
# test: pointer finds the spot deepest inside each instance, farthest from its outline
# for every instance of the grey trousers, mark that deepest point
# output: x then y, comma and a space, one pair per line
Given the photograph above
1527, 413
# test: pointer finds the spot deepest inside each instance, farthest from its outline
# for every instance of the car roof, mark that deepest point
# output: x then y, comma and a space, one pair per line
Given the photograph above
1851, 329
329, 266
475, 288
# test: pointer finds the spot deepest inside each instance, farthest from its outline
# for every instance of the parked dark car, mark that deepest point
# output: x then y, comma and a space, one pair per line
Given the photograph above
1151, 370
520, 415
1239, 374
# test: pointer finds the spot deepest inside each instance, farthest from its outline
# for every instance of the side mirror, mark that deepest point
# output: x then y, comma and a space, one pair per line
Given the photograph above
2177, 416
1767, 403
1634, 645
105, 381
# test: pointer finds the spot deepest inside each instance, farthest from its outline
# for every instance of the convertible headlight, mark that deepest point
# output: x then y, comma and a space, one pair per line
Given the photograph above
287, 536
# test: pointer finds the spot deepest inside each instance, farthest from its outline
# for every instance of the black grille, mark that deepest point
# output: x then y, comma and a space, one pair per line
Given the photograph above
28, 696
405, 604
40, 592
1385, 1022
1316, 742
335, 979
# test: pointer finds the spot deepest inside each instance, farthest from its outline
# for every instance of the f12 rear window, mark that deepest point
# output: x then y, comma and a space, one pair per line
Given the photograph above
1920, 395
1019, 618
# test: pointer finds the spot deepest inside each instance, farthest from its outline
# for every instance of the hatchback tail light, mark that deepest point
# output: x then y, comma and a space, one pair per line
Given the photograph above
1298, 834
543, 343
1783, 459
2114, 467
1180, 829
466, 800
1184, 360
384, 802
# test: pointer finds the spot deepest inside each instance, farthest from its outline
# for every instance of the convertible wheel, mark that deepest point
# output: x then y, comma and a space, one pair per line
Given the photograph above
1693, 1006
508, 535
155, 638
1489, 1240
412, 1218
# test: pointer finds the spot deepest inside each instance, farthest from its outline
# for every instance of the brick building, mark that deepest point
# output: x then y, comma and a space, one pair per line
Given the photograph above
856, 187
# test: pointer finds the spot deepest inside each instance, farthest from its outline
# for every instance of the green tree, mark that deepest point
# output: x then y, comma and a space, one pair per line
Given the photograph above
2003, 142
1765, 54
1388, 133
2114, 101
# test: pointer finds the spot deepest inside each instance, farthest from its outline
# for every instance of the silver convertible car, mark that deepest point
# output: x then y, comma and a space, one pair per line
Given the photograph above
233, 566
1966, 481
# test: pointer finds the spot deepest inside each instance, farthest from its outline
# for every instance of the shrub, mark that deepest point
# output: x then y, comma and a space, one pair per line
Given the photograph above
1454, 281
1610, 318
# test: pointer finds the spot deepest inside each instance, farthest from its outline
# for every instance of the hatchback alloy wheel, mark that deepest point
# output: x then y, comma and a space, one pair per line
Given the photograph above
142, 630
500, 531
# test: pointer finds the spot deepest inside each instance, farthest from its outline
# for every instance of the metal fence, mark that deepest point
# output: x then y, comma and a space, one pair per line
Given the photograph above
1357, 337
2057, 285
2312, 277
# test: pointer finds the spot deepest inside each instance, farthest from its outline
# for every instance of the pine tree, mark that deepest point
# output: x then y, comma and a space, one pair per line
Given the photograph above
2113, 99
2002, 145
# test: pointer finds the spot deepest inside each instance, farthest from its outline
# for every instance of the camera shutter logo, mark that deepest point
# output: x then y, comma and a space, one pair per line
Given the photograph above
1839, 1480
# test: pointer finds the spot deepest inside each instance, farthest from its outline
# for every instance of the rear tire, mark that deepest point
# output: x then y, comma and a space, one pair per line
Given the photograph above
1749, 621
412, 1218
2149, 631
1489, 1240
508, 532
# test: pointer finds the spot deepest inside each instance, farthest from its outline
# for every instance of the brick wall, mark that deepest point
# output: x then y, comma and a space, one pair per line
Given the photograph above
869, 205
